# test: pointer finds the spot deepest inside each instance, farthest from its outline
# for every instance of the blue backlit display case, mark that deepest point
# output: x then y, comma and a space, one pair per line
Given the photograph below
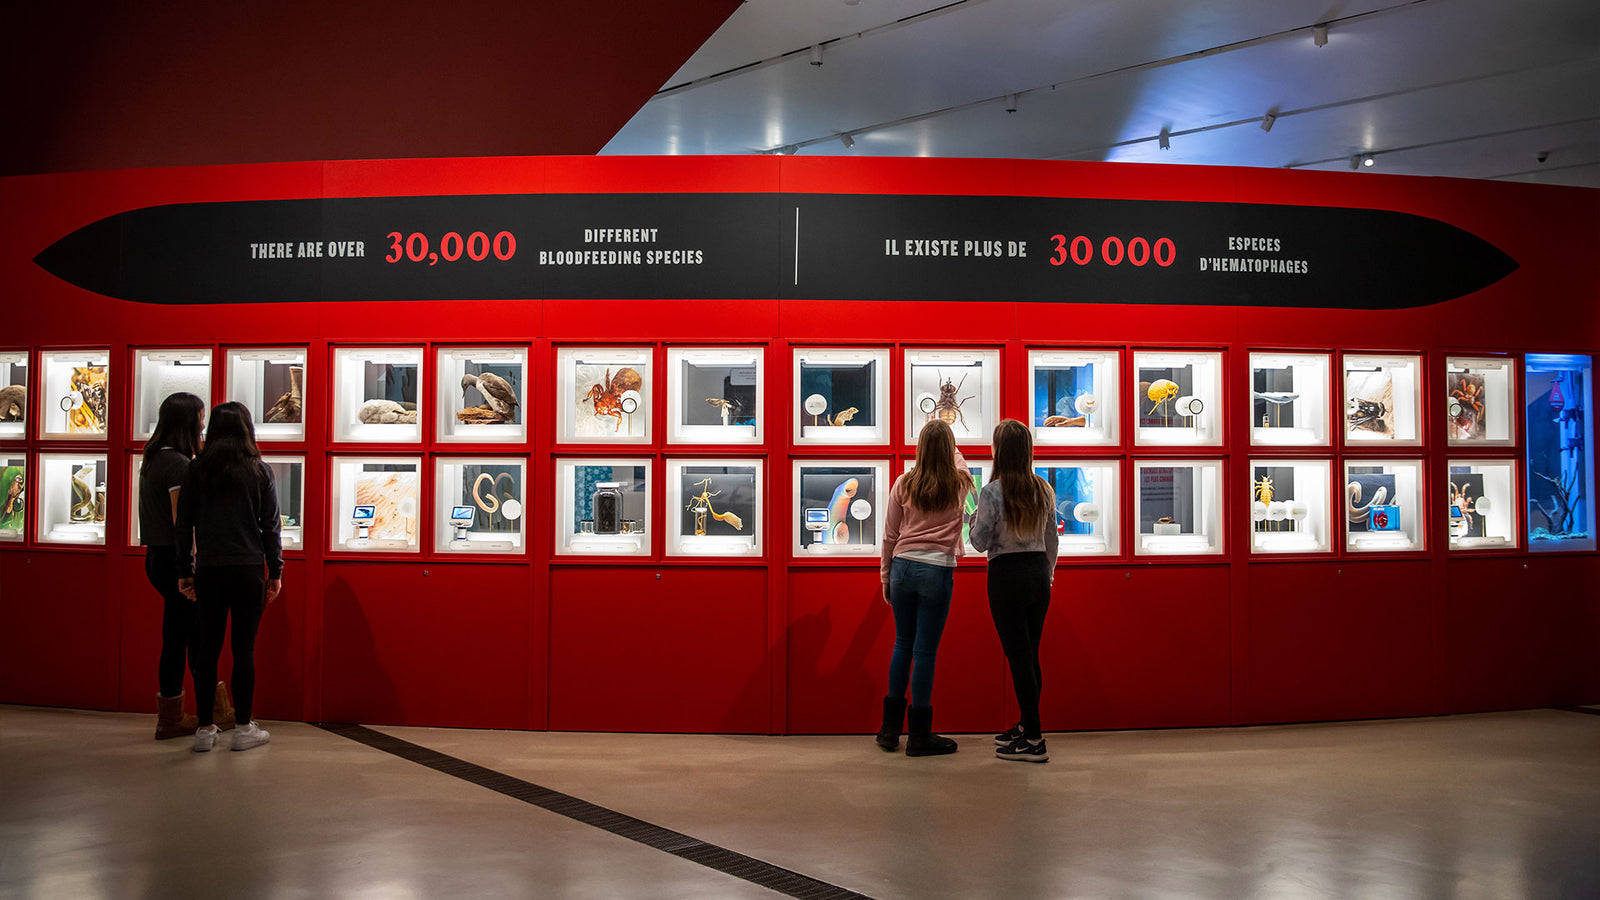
1560, 498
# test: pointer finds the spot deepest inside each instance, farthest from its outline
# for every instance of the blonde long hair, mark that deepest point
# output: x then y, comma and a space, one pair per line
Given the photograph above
936, 484
1026, 496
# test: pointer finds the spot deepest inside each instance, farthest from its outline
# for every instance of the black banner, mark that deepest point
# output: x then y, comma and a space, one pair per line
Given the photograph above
814, 246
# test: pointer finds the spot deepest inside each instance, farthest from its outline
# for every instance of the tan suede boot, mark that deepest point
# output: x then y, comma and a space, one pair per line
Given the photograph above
170, 720
222, 710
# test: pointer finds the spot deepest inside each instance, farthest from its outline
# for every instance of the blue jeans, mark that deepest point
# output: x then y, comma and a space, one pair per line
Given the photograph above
920, 594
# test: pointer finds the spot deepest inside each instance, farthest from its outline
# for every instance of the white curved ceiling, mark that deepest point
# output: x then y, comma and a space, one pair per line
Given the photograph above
1462, 88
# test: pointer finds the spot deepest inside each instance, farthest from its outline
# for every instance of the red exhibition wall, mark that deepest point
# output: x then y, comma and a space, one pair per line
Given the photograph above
776, 643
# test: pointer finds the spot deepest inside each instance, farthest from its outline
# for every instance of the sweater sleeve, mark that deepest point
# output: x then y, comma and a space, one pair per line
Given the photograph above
986, 521
183, 528
1052, 539
891, 527
270, 524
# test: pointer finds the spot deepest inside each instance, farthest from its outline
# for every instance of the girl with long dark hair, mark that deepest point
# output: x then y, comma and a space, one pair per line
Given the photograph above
228, 508
1016, 524
174, 442
921, 543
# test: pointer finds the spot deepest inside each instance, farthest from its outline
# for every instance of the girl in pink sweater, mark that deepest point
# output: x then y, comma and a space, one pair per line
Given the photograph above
921, 543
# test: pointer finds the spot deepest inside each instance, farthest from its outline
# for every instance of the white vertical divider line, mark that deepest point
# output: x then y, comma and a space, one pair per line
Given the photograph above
797, 245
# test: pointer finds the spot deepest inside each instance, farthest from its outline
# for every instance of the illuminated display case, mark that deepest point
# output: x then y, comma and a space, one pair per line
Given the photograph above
1482, 504
1177, 505
841, 396
838, 506
13, 394
1289, 395
479, 504
603, 507
960, 387
1559, 416
1074, 396
715, 395
1477, 401
158, 374
979, 469
1382, 396
1289, 506
70, 496
1178, 401
13, 496
604, 394
375, 393
1383, 505
272, 383
75, 398
377, 504
480, 394
289, 474
1087, 505
714, 507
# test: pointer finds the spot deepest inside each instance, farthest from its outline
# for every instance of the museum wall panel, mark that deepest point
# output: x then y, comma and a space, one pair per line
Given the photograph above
1283, 495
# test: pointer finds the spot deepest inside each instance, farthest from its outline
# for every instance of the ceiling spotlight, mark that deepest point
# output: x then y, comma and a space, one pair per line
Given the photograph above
1319, 35
1166, 139
1267, 121
1011, 103
788, 149
847, 141
1367, 161
816, 54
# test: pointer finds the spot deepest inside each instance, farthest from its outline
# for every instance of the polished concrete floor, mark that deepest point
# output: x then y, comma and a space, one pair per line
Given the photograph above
1499, 805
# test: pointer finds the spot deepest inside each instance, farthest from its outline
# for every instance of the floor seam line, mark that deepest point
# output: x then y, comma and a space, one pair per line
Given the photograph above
675, 843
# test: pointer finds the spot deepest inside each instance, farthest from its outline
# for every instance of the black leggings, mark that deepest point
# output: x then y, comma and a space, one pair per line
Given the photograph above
180, 638
1019, 597
240, 590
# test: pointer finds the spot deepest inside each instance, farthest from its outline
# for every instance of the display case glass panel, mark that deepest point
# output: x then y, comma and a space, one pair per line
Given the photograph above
979, 469
1087, 505
603, 507
478, 504
1559, 418
838, 507
1482, 504
272, 383
135, 534
1178, 401
1178, 507
377, 504
480, 396
1383, 505
76, 396
70, 497
961, 387
1289, 399
604, 394
1382, 395
158, 374
289, 476
714, 507
13, 394
375, 391
1477, 400
1289, 506
1074, 396
13, 496
841, 396
714, 395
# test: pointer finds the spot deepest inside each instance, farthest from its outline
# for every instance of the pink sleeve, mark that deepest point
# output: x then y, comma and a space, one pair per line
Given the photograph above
891, 528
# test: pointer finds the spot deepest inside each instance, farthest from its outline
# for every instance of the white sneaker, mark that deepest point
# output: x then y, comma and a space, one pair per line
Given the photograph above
205, 738
249, 735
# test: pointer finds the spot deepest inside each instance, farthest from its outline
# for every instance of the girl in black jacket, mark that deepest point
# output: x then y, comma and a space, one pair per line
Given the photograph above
228, 508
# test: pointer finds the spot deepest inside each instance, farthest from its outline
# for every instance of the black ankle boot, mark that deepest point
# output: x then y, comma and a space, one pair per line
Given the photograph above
894, 719
922, 741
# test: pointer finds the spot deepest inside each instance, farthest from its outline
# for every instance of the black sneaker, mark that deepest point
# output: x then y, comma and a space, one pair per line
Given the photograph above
1024, 750
1010, 735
